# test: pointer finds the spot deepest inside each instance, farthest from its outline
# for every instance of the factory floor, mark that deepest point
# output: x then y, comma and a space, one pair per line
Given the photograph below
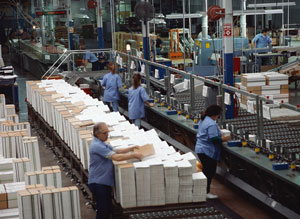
230, 199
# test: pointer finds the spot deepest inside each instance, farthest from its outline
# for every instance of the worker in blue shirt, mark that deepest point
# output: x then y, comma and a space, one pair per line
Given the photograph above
209, 142
101, 169
89, 57
137, 98
112, 82
262, 40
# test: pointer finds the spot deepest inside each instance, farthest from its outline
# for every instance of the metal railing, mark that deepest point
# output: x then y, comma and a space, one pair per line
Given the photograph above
69, 57
222, 88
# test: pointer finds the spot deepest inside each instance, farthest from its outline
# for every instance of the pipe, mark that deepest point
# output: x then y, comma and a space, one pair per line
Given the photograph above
205, 22
243, 20
43, 20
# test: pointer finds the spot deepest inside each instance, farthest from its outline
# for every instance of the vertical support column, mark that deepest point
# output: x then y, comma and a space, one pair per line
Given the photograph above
43, 24
192, 88
147, 71
258, 134
243, 20
146, 43
261, 119
32, 8
100, 25
204, 21
129, 72
228, 52
112, 20
169, 86
70, 30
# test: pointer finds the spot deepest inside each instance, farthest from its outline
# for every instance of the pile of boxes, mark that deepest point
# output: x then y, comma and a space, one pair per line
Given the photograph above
272, 85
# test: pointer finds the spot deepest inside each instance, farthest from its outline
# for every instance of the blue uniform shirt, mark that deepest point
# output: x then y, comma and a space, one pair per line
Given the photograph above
112, 83
261, 41
91, 57
208, 129
136, 105
101, 167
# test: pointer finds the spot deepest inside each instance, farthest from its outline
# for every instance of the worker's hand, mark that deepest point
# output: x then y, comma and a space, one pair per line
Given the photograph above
137, 155
226, 138
134, 147
151, 104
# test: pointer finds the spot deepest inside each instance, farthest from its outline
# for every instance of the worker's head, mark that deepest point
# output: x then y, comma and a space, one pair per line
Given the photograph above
213, 111
136, 80
112, 67
265, 32
101, 131
82, 47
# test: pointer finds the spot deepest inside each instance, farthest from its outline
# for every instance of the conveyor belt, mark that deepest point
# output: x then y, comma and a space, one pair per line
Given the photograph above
247, 170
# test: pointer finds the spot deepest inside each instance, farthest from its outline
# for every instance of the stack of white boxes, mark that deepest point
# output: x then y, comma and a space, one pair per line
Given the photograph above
272, 85
38, 201
20, 167
185, 170
8, 194
199, 187
157, 182
143, 187
49, 176
171, 181
127, 185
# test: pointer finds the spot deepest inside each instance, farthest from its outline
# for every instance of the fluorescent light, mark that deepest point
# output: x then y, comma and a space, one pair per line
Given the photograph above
258, 12
180, 16
265, 5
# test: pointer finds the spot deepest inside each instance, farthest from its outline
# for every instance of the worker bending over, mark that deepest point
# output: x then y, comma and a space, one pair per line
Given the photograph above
209, 143
90, 57
112, 82
101, 171
137, 98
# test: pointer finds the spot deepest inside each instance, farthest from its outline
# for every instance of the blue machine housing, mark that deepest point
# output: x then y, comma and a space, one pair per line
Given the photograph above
204, 49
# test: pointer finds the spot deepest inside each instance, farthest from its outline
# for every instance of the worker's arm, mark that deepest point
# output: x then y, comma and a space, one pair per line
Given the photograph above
85, 62
126, 150
213, 135
128, 156
253, 43
145, 97
149, 104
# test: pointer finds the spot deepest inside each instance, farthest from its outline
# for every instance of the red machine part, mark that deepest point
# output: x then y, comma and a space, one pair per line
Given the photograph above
215, 12
92, 4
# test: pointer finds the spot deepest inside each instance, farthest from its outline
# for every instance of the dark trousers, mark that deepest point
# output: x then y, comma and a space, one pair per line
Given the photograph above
95, 66
102, 196
209, 168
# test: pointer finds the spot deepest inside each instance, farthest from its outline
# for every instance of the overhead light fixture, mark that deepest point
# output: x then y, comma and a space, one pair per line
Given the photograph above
266, 5
258, 12
33, 27
180, 16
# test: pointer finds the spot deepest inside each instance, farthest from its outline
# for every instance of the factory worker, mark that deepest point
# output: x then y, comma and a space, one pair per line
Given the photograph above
112, 82
262, 40
89, 57
209, 142
137, 98
101, 170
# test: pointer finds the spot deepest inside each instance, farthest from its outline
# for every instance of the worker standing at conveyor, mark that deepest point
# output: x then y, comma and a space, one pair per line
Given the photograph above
209, 142
137, 98
112, 82
262, 40
101, 171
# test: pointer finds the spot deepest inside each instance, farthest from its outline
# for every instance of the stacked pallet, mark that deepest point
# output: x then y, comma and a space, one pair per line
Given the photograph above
163, 177
8, 194
272, 85
49, 176
48, 203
